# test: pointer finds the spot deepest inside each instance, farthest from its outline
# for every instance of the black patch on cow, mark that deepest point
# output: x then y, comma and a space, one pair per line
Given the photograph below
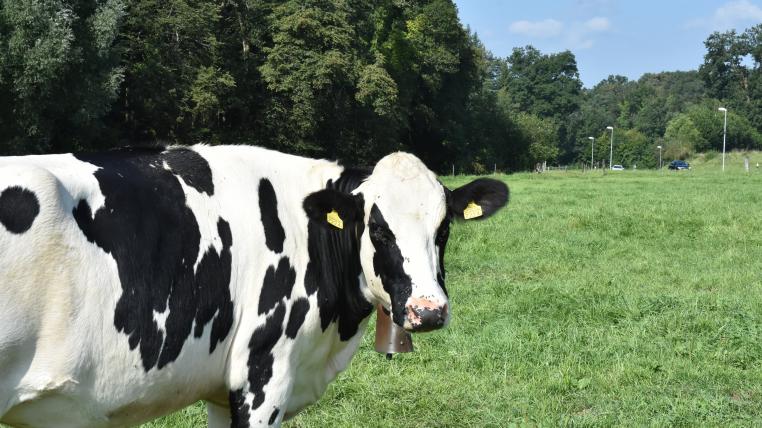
211, 291
277, 284
18, 209
239, 410
388, 264
268, 206
273, 416
191, 167
146, 226
334, 267
440, 239
296, 318
261, 358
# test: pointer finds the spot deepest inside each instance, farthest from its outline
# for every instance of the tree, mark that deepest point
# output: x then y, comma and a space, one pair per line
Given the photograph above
728, 78
541, 135
489, 134
722, 71
59, 72
652, 117
682, 137
631, 148
752, 41
310, 70
441, 77
599, 108
677, 89
709, 123
546, 85
174, 86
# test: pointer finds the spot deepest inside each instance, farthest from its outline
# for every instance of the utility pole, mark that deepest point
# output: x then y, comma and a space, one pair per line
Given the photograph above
611, 153
724, 133
659, 147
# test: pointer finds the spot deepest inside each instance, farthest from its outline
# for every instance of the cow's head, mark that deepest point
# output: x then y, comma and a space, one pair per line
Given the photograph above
404, 215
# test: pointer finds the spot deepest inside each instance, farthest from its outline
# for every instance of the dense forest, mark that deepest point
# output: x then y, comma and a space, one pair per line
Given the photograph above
346, 79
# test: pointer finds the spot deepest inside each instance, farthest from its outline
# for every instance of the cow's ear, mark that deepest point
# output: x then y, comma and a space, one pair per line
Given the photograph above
478, 199
334, 209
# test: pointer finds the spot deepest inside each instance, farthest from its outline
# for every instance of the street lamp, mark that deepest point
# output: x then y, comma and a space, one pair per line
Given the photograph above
724, 133
611, 153
659, 147
592, 152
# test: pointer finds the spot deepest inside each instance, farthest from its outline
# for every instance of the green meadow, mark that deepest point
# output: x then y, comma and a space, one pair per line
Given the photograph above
629, 298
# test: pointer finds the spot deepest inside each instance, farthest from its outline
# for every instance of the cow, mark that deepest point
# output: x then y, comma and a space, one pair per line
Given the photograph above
137, 281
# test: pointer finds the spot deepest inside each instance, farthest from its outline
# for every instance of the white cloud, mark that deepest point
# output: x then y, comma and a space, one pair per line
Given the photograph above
541, 29
579, 41
736, 14
575, 35
580, 35
598, 23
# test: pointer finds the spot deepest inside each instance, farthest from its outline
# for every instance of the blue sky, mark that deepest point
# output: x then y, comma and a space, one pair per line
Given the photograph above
609, 36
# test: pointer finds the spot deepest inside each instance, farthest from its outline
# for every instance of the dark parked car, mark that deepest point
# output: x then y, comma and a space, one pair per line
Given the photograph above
679, 164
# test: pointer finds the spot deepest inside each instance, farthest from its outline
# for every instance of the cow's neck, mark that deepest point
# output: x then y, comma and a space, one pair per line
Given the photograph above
335, 274
334, 269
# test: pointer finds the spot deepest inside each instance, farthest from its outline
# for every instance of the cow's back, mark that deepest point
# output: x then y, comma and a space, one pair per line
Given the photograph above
86, 285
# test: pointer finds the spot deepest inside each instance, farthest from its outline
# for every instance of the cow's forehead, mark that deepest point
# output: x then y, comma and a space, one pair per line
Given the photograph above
403, 186
404, 167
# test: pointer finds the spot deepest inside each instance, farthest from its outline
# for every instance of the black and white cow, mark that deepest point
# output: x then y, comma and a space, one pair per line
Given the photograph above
138, 281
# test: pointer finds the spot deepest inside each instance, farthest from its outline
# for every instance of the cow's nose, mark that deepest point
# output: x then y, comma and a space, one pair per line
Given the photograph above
424, 315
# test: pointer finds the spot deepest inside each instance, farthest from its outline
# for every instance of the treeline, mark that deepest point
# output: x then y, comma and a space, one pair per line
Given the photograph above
343, 79
542, 95
678, 110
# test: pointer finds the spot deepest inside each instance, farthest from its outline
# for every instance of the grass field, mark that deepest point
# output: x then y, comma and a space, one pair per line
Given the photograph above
632, 298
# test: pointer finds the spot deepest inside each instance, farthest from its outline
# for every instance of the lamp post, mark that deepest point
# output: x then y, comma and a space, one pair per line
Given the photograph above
611, 153
724, 133
659, 147
592, 152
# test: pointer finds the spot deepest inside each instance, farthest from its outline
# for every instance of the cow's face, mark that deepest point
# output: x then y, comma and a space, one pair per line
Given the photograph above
406, 214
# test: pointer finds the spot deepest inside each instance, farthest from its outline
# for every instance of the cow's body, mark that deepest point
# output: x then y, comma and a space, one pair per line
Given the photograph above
135, 282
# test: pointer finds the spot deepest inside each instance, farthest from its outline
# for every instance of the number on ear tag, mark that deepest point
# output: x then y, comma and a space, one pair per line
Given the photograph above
334, 220
472, 211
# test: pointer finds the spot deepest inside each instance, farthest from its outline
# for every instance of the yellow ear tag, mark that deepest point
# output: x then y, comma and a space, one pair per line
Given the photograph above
334, 220
472, 211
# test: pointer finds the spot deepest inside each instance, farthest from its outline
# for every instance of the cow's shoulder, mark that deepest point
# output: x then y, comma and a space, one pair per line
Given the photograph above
175, 284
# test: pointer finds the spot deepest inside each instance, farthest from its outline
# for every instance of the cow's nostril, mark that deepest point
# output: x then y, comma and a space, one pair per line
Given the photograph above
425, 318
430, 317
